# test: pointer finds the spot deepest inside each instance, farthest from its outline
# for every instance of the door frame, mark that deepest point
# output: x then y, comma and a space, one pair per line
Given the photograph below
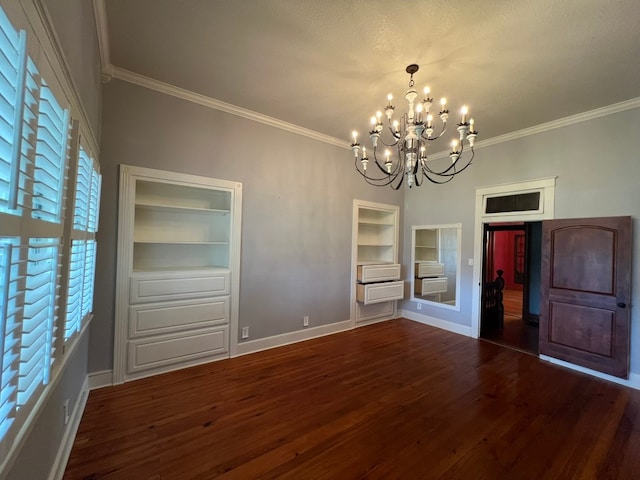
545, 211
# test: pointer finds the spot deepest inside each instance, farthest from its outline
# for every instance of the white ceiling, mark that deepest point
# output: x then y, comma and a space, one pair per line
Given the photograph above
328, 65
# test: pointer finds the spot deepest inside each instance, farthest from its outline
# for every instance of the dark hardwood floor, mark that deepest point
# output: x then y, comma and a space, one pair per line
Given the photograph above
394, 400
516, 333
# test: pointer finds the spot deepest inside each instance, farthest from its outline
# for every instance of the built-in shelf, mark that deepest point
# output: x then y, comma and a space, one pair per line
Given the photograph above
376, 271
179, 255
178, 208
176, 242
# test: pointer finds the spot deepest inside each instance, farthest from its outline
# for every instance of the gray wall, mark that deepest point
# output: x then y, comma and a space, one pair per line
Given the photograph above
35, 460
297, 207
598, 172
75, 26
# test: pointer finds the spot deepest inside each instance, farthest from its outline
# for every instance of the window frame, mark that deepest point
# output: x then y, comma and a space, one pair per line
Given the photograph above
43, 67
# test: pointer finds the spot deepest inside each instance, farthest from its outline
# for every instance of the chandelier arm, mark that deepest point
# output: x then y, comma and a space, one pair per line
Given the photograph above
437, 179
389, 144
397, 187
431, 139
377, 182
395, 170
373, 180
445, 173
418, 176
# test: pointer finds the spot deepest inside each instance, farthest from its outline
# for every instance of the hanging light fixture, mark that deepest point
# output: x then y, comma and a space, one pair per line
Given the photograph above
410, 137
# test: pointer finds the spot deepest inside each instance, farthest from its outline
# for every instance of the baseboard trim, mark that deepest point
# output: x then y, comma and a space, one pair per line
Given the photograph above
292, 337
100, 379
438, 323
62, 457
632, 382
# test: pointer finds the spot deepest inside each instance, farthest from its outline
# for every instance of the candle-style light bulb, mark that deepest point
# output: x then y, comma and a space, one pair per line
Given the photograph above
396, 125
389, 98
364, 152
429, 120
454, 146
443, 103
427, 91
419, 109
464, 110
373, 120
471, 126
355, 137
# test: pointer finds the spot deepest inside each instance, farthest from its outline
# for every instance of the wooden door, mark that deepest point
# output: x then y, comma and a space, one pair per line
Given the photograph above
585, 292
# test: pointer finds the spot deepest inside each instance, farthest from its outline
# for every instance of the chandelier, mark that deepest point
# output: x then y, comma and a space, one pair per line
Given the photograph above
410, 137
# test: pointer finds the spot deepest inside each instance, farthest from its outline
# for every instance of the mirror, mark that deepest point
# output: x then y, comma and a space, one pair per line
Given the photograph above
436, 251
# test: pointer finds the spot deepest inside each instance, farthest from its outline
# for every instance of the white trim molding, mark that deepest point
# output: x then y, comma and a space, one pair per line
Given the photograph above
102, 30
62, 455
253, 346
101, 379
546, 211
438, 323
632, 382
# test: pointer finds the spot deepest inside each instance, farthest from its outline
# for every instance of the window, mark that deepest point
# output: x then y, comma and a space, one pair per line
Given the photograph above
46, 284
83, 246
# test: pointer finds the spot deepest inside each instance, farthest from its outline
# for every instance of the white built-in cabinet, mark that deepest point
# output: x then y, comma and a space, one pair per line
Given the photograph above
178, 271
376, 284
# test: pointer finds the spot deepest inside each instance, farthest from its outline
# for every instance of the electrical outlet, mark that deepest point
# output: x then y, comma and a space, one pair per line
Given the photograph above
65, 409
418, 305
305, 321
245, 332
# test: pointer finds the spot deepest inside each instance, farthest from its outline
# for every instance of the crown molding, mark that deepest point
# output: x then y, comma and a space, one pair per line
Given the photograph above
152, 84
545, 127
102, 30
203, 100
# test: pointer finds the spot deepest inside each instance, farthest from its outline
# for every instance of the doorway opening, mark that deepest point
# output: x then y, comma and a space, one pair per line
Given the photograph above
511, 284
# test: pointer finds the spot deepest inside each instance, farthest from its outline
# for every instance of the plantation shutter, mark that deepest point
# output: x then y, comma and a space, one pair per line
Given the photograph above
11, 319
13, 55
83, 246
75, 289
39, 317
51, 155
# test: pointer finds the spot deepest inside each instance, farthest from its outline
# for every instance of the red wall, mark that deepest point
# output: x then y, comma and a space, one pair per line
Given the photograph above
504, 256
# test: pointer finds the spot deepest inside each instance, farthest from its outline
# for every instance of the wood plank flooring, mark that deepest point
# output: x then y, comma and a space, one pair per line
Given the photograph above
394, 400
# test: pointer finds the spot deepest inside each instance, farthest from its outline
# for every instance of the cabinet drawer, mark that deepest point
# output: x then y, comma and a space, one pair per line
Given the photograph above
162, 350
156, 288
429, 269
379, 292
378, 273
430, 286
158, 318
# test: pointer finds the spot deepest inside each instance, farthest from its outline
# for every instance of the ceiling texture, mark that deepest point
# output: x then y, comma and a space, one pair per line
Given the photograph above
328, 65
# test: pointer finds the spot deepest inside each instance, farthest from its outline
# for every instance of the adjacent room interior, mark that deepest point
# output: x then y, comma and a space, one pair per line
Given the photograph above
298, 239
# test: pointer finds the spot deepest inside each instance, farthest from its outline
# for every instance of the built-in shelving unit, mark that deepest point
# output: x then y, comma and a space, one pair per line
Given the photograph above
375, 270
178, 268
